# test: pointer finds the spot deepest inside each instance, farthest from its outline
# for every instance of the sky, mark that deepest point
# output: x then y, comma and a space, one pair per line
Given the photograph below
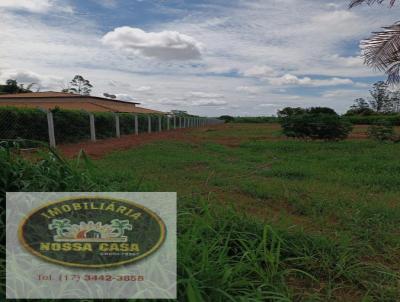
210, 58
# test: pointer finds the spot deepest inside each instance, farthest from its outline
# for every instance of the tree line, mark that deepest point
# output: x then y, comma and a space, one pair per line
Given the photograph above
78, 85
381, 101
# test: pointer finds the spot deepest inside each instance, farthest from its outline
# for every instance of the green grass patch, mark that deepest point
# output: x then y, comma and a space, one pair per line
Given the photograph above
330, 229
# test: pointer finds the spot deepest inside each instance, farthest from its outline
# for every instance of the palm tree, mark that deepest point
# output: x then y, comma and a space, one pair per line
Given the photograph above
60, 225
369, 2
120, 226
381, 50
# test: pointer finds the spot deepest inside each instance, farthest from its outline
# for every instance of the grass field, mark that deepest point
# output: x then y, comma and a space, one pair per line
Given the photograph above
260, 217
265, 218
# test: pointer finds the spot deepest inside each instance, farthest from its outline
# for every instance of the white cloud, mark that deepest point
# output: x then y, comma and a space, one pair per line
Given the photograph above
165, 45
34, 6
125, 97
269, 105
27, 77
205, 95
107, 3
289, 79
348, 94
259, 71
248, 89
209, 103
143, 89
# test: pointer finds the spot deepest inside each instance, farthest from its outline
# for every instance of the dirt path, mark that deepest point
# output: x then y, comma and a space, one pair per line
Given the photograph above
224, 137
102, 147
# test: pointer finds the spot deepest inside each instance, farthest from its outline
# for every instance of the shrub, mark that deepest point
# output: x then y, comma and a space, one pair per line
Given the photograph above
23, 123
227, 118
70, 125
324, 126
256, 119
360, 111
290, 111
382, 131
394, 119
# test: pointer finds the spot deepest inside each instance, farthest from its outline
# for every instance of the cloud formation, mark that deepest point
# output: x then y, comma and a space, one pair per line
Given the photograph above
289, 79
209, 103
164, 45
205, 95
34, 6
27, 77
259, 72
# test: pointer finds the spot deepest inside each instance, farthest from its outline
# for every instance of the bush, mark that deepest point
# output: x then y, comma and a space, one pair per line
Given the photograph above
227, 118
69, 125
256, 119
324, 126
360, 112
394, 119
23, 123
382, 131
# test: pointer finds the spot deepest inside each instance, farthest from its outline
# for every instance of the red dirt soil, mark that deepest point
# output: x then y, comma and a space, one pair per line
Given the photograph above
104, 146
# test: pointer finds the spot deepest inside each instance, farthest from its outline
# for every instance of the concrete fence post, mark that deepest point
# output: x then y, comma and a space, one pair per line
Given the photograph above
167, 123
136, 124
50, 125
159, 123
92, 127
117, 128
149, 124
174, 117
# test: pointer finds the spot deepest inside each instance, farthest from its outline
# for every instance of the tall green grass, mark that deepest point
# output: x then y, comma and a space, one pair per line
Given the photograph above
333, 239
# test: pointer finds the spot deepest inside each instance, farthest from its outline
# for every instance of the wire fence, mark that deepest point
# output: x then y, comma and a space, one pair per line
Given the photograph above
60, 126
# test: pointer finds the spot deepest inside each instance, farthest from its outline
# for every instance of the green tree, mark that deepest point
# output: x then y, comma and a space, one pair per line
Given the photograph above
395, 99
289, 111
227, 118
79, 85
380, 98
12, 86
360, 107
120, 226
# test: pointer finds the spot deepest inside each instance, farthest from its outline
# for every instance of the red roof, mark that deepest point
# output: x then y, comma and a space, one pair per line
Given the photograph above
53, 94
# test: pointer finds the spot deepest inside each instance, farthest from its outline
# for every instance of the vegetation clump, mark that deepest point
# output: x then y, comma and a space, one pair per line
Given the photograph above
314, 123
383, 131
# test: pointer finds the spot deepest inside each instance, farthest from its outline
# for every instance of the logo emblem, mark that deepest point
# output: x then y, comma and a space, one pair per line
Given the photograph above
92, 232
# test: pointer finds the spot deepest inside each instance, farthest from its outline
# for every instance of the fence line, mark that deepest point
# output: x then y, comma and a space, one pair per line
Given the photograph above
70, 126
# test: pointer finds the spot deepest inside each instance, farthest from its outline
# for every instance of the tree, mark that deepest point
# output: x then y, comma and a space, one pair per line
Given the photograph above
289, 111
227, 118
60, 225
380, 101
120, 226
79, 85
360, 104
360, 107
395, 99
316, 125
12, 86
381, 50
324, 110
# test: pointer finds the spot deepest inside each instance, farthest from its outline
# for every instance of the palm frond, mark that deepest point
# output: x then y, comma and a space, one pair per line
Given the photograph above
369, 2
393, 73
382, 51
